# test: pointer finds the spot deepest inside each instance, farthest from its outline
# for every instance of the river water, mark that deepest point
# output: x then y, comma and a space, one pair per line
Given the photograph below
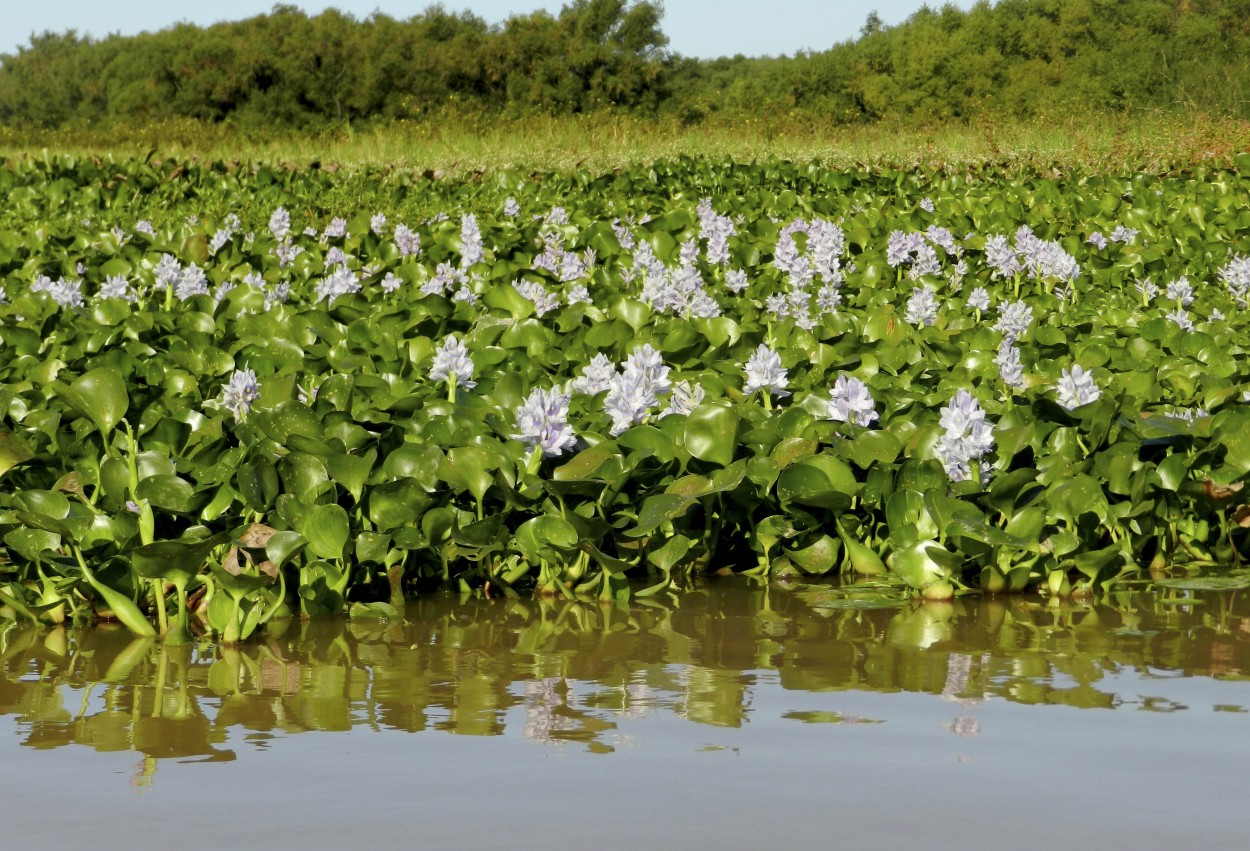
735, 715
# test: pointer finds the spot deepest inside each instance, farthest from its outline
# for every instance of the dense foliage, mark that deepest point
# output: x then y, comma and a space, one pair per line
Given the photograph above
1013, 58
244, 393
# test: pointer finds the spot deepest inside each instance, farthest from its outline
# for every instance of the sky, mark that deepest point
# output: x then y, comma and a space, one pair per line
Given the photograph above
699, 28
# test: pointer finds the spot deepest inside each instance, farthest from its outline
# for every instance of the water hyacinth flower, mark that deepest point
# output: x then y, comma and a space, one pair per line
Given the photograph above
542, 423
577, 294
979, 299
1236, 277
453, 365
922, 306
765, 372
191, 282
1076, 387
336, 229
636, 389
683, 399
967, 437
1010, 370
736, 280
280, 224
238, 394
1001, 257
511, 208
407, 241
117, 287
1097, 240
144, 227
927, 205
1014, 318
1182, 319
471, 248
391, 282
596, 376
1124, 234
1180, 291
851, 402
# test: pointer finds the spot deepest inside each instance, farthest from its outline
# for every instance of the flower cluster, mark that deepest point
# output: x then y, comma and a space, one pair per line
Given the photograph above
967, 437
851, 402
542, 422
238, 394
765, 372
1076, 387
636, 389
453, 364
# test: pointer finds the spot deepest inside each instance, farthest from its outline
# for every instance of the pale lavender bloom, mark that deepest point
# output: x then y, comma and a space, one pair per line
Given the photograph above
623, 235
336, 257
377, 223
715, 230
391, 282
310, 231
336, 229
967, 437
278, 295
465, 294
471, 249
922, 307
446, 277
1181, 317
1014, 318
765, 372
544, 301
223, 289
957, 275
979, 299
542, 421
788, 259
1180, 292
1124, 234
825, 244
851, 402
596, 376
117, 287
558, 217
577, 294
636, 389
220, 238
1049, 260
191, 282
1236, 276
41, 284
1076, 388
133, 507
1147, 289
167, 271
287, 253
777, 305
1217, 315
926, 262
942, 238
683, 399
1097, 240
280, 224
927, 205
1010, 370
342, 281
143, 226
407, 241
511, 208
452, 363
67, 293
1001, 257
828, 298
238, 394
901, 246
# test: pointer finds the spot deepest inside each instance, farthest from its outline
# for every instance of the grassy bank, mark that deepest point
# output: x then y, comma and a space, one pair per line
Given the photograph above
1149, 143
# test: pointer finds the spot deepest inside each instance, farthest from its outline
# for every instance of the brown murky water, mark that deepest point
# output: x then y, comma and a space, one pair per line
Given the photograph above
734, 716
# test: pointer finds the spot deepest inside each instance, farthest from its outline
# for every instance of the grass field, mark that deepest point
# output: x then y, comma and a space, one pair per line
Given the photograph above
456, 146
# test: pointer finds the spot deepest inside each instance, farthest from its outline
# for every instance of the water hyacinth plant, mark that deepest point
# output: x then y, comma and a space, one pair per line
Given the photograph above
236, 412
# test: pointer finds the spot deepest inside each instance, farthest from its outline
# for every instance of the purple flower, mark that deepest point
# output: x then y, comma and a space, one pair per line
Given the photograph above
238, 394
452, 364
542, 422
967, 437
765, 372
851, 402
1076, 387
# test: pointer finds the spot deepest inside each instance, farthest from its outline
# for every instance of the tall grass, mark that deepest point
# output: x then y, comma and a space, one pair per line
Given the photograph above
473, 143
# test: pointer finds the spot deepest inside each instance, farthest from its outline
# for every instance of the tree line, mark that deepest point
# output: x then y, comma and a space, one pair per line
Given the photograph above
290, 70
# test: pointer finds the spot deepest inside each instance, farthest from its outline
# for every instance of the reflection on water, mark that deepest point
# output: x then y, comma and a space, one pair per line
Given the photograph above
558, 672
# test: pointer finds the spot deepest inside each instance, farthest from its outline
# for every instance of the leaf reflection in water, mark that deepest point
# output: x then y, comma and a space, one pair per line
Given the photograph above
563, 673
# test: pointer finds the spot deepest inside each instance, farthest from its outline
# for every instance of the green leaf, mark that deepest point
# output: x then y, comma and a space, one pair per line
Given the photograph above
327, 530
100, 395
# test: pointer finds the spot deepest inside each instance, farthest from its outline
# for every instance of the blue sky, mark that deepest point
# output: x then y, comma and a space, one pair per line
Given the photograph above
702, 28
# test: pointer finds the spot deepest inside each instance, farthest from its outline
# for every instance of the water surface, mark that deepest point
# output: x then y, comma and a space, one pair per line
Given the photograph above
733, 716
